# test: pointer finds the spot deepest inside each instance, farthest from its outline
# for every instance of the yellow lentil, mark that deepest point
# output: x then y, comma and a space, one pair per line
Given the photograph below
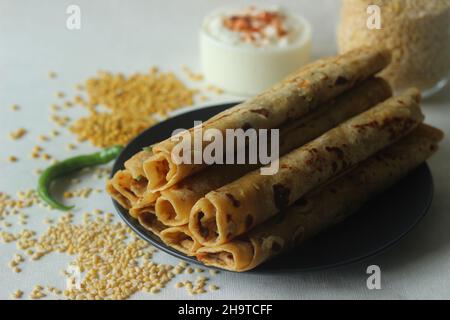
55, 107
35, 155
106, 129
37, 148
71, 146
213, 272
48, 221
131, 103
215, 89
189, 270
19, 133
60, 94
101, 248
191, 75
43, 138
68, 104
17, 294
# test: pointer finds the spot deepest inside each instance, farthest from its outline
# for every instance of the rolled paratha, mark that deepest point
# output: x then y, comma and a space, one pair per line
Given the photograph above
129, 186
174, 204
181, 239
124, 189
227, 212
149, 221
145, 203
293, 98
117, 195
326, 206
134, 164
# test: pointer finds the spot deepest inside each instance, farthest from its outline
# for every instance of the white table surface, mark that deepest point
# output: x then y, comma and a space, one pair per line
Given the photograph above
131, 36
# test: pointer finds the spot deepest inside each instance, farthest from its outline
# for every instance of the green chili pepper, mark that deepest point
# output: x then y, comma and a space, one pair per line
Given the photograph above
68, 166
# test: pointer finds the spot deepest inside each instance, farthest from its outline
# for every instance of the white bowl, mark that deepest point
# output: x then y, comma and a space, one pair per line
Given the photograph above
248, 70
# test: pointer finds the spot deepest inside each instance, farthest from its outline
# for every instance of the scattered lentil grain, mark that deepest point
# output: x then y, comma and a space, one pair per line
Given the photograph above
43, 138
13, 159
18, 294
189, 270
19, 133
213, 272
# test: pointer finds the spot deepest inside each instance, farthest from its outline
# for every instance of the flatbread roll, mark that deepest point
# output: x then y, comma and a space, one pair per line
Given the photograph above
129, 186
293, 98
326, 206
174, 204
149, 221
237, 207
124, 189
116, 195
180, 238
134, 164
145, 203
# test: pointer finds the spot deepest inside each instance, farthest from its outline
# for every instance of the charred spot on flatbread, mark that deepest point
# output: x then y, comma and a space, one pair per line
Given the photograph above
334, 166
203, 230
248, 221
281, 196
235, 202
276, 247
341, 81
263, 112
337, 151
246, 126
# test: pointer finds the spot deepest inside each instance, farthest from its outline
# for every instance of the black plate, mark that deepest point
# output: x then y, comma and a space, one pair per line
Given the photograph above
380, 224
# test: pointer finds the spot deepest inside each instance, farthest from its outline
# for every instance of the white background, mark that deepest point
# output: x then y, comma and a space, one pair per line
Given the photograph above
131, 36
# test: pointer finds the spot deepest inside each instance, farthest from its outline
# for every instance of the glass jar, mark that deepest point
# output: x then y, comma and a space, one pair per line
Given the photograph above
416, 31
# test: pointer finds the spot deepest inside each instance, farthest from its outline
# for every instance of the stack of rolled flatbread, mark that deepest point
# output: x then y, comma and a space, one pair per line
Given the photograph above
343, 140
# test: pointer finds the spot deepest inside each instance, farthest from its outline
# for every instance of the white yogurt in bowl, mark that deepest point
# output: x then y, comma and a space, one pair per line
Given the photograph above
245, 51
